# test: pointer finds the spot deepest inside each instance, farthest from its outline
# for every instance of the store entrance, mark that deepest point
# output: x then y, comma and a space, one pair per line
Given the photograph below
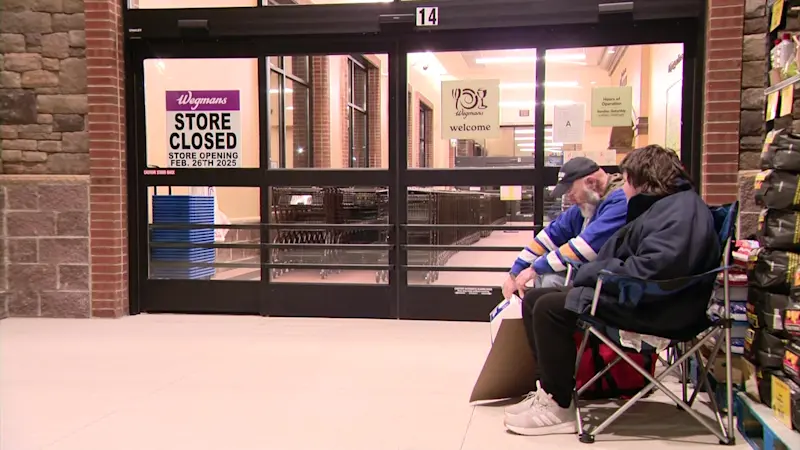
293, 178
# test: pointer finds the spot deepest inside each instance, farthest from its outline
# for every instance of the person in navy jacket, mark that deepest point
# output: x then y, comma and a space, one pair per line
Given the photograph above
598, 211
669, 234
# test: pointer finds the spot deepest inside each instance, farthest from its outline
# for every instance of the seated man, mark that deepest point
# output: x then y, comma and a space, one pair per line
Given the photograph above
670, 234
598, 211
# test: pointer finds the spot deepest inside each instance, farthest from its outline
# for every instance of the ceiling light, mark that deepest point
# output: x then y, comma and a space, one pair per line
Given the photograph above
524, 104
278, 91
517, 85
566, 57
554, 84
559, 57
506, 60
562, 84
427, 63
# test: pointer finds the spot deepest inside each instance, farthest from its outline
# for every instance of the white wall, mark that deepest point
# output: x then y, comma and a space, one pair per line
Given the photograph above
429, 86
662, 80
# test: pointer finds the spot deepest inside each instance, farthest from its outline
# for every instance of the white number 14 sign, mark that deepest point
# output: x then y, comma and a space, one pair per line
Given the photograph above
428, 16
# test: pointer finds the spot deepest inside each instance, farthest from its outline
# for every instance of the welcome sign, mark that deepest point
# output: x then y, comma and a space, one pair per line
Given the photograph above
204, 129
470, 109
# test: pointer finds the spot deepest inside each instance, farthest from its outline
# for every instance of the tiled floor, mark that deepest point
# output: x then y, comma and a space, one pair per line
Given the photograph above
241, 383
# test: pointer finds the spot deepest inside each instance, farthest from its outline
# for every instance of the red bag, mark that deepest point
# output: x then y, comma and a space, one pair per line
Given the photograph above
622, 381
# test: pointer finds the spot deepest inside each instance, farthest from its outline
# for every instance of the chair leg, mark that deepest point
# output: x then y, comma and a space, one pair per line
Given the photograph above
654, 383
575, 392
684, 374
702, 378
598, 375
730, 433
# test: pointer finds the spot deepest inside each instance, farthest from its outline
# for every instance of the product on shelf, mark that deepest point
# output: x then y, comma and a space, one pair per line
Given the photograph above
775, 74
777, 189
764, 385
792, 400
766, 309
772, 270
788, 55
783, 152
791, 361
779, 229
741, 256
763, 349
790, 317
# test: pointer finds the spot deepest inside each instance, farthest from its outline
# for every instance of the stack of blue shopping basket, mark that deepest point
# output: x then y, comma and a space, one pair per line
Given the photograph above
182, 210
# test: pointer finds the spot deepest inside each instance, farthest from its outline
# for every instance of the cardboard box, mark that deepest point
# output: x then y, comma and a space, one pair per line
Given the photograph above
508, 371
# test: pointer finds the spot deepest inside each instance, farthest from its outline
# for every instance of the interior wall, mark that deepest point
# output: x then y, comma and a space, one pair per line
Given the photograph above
629, 73
429, 86
662, 81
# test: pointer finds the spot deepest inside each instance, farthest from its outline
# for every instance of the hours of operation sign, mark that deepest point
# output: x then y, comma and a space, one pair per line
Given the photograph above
204, 129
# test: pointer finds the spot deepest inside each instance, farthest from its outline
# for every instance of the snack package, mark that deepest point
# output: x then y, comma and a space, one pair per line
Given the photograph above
764, 382
790, 318
788, 55
793, 400
772, 270
791, 362
764, 350
779, 230
777, 189
781, 151
766, 309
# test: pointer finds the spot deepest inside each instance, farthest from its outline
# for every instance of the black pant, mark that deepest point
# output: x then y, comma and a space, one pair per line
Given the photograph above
551, 329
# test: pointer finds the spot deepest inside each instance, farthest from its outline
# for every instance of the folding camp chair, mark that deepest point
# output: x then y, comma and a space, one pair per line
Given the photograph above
631, 290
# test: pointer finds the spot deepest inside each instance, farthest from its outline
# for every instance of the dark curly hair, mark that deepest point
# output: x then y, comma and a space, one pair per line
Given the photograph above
654, 170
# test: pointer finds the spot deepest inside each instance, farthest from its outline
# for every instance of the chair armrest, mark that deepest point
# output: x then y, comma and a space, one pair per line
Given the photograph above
668, 286
632, 289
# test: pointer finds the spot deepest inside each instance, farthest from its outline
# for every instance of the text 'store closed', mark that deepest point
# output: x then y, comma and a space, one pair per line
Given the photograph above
204, 129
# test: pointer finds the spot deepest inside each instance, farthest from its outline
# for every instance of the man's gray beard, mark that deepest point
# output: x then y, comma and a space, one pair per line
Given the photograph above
588, 208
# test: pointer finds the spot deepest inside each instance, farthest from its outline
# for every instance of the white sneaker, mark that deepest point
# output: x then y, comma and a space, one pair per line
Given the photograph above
543, 417
524, 405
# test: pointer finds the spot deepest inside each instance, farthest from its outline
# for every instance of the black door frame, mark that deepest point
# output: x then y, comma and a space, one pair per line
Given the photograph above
373, 28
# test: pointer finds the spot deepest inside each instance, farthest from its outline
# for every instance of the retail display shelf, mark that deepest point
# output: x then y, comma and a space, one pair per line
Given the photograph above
773, 434
777, 87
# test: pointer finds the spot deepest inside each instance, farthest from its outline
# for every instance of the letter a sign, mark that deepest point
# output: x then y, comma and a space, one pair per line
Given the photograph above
569, 123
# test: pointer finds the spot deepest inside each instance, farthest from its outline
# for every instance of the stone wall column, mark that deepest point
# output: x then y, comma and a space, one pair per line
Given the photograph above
44, 159
106, 124
753, 104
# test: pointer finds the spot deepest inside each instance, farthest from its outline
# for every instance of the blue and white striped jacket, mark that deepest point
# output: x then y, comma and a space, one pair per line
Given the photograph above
571, 238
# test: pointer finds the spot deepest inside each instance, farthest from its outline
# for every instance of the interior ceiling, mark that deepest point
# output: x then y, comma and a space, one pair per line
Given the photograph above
519, 65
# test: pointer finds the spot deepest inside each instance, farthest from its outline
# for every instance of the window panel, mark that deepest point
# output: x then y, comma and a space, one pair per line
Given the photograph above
290, 113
